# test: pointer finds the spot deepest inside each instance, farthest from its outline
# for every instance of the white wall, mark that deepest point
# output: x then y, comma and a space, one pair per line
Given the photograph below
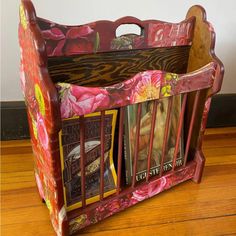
220, 13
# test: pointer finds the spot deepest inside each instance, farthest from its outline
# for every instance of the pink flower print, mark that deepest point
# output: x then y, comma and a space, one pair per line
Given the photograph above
148, 87
42, 132
87, 100
77, 100
40, 186
22, 78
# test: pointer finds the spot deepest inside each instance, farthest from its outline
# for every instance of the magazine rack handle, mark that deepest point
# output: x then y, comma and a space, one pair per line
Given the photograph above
129, 20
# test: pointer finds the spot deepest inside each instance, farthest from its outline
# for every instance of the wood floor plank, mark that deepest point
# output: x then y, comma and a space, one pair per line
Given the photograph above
40, 228
207, 227
17, 163
220, 131
220, 142
208, 208
195, 202
218, 151
15, 143
15, 147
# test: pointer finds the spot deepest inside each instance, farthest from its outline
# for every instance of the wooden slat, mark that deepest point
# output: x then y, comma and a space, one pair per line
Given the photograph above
102, 165
179, 132
82, 161
191, 126
153, 122
136, 148
101, 69
165, 138
120, 151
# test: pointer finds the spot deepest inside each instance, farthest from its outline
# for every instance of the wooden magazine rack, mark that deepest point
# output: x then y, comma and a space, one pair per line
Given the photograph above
166, 60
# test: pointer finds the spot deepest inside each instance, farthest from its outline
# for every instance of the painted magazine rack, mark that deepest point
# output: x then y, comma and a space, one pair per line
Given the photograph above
79, 81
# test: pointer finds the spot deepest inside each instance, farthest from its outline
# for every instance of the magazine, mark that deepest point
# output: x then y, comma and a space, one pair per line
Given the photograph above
144, 138
70, 158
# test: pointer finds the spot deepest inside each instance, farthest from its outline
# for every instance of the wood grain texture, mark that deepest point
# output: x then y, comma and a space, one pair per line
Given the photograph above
188, 209
103, 69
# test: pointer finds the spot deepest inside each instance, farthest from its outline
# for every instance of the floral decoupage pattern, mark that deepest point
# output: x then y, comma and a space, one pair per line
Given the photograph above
76, 100
64, 40
124, 201
70, 40
164, 34
40, 94
47, 105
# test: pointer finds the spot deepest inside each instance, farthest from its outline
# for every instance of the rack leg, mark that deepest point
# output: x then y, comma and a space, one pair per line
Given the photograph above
200, 160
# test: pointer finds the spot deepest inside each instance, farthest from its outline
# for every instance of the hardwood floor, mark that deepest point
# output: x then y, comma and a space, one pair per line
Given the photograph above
208, 208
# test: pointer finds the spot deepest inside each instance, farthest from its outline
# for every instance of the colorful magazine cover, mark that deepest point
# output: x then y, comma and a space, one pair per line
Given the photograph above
70, 158
144, 138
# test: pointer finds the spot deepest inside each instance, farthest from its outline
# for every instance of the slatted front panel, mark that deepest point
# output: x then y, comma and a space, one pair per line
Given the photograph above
123, 192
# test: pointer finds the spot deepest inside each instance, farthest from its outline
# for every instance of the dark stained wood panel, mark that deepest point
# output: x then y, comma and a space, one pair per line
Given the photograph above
108, 68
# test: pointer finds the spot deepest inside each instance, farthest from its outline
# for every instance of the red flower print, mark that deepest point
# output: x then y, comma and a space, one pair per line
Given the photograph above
78, 46
150, 190
75, 40
53, 34
79, 32
114, 206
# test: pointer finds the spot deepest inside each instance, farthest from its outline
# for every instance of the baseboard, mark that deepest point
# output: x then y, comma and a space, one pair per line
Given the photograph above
14, 123
14, 118
223, 111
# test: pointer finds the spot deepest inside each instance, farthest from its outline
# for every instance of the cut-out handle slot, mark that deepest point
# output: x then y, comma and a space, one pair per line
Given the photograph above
125, 29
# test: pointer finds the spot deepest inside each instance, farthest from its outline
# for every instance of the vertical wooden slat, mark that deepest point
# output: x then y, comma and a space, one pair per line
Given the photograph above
102, 139
82, 161
165, 140
136, 151
196, 99
153, 122
120, 142
180, 125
